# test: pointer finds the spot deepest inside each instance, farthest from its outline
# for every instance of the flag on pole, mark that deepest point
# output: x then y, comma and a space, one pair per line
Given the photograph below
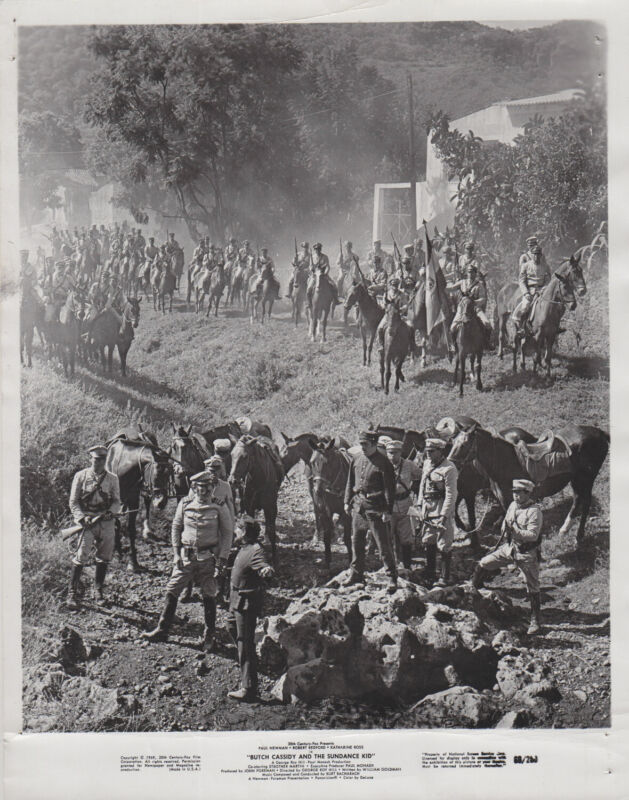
437, 304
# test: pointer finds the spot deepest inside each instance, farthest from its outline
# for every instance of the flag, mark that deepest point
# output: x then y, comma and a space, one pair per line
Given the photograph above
437, 305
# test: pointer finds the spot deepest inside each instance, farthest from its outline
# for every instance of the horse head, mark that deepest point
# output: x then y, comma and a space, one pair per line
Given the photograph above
242, 457
185, 452
352, 295
566, 289
157, 475
464, 445
131, 310
328, 470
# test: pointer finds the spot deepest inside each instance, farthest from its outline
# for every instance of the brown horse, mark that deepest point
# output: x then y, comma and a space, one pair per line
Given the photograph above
177, 261
299, 296
62, 334
166, 286
260, 473
236, 287
469, 341
218, 282
31, 315
268, 291
143, 470
322, 301
438, 341
110, 330
188, 455
544, 321
397, 341
370, 314
497, 458
329, 468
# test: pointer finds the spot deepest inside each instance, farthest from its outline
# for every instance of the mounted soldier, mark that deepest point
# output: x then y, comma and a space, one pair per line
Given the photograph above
469, 257
378, 252
533, 276
301, 265
409, 276
150, 251
28, 273
61, 285
346, 262
245, 253
473, 286
172, 245
140, 241
94, 501
449, 266
378, 277
320, 265
231, 249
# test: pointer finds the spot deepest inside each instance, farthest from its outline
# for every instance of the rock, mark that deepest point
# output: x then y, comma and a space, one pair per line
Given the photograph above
163, 678
90, 704
457, 707
580, 694
71, 652
272, 658
451, 675
516, 672
514, 719
504, 643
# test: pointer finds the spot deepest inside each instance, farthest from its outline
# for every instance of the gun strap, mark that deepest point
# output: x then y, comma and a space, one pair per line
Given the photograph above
88, 496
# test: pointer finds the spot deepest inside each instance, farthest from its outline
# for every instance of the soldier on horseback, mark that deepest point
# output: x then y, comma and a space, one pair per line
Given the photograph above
534, 275
28, 273
320, 265
347, 266
378, 252
265, 268
473, 286
150, 251
378, 277
172, 245
245, 253
301, 264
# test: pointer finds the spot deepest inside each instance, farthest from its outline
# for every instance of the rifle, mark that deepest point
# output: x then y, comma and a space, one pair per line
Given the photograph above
68, 533
296, 256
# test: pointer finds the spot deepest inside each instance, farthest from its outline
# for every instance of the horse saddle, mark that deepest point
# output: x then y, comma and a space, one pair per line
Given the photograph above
136, 437
545, 458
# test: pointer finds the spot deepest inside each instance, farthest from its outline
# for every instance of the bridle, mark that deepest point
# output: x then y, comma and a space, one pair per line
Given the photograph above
331, 486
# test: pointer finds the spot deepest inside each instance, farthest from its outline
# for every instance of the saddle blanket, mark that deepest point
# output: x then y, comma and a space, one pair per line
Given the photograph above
545, 458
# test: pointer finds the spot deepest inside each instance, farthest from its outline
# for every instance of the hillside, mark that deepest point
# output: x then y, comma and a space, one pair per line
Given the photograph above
189, 369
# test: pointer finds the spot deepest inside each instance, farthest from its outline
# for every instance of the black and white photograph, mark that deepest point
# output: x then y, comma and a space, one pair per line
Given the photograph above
315, 379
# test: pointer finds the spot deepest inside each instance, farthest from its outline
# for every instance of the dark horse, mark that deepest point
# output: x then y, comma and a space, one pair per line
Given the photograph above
261, 475
188, 454
370, 314
438, 340
543, 324
109, 331
63, 334
166, 285
398, 339
31, 315
143, 469
329, 468
469, 340
322, 302
497, 458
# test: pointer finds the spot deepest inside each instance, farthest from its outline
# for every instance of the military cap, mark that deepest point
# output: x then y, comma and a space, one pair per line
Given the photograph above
377, 241
435, 444
536, 249
348, 244
98, 451
368, 436
523, 485
409, 246
214, 464
383, 441
531, 240
469, 245
317, 246
246, 241
233, 239
264, 249
394, 446
201, 479
222, 446
171, 235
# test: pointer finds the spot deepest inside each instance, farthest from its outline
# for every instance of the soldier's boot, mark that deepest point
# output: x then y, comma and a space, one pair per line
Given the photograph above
431, 563
244, 695
74, 593
475, 544
444, 575
535, 625
479, 577
407, 554
209, 612
160, 633
99, 582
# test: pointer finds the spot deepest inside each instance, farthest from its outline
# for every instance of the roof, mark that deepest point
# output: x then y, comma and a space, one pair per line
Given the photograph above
75, 177
564, 96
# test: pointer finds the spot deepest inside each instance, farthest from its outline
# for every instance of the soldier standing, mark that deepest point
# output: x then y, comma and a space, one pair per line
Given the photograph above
407, 478
94, 500
436, 502
369, 499
221, 490
202, 533
522, 526
245, 606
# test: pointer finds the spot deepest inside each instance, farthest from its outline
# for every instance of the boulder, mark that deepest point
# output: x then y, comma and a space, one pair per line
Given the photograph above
457, 707
71, 651
514, 719
91, 704
524, 681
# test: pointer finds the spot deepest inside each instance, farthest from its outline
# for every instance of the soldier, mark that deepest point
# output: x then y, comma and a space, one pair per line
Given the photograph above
301, 264
369, 499
449, 266
245, 253
172, 245
28, 273
245, 606
378, 252
202, 533
407, 478
347, 266
378, 277
523, 528
409, 252
534, 275
94, 500
140, 241
231, 251
469, 258
221, 490
436, 502
473, 287
410, 275
418, 249
320, 265
150, 251
61, 286
223, 448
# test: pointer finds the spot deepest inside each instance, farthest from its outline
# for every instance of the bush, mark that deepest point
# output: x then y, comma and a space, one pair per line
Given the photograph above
267, 376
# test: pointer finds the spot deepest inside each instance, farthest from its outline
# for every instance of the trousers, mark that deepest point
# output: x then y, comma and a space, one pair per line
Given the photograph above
202, 572
362, 522
527, 563
242, 628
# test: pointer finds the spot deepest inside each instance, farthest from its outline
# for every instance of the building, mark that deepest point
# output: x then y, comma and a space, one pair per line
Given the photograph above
500, 122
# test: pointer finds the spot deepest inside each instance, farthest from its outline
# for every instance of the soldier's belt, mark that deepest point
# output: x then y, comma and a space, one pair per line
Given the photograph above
371, 495
190, 550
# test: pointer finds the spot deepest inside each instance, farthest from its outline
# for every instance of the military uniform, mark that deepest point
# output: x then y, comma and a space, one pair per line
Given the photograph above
91, 495
407, 476
533, 276
245, 606
320, 265
476, 289
370, 493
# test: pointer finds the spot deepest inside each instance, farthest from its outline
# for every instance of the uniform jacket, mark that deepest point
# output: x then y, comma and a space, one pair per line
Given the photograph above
440, 482
532, 275
476, 290
465, 261
105, 498
523, 526
221, 494
320, 264
247, 586
206, 526
407, 473
372, 479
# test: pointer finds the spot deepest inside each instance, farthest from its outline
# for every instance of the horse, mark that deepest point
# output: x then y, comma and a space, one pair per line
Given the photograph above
398, 339
143, 470
370, 314
157, 271
260, 474
201, 282
31, 315
268, 291
470, 339
176, 265
109, 330
63, 334
329, 468
166, 286
557, 294
496, 456
189, 457
320, 306
217, 285
417, 319
235, 289
299, 296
